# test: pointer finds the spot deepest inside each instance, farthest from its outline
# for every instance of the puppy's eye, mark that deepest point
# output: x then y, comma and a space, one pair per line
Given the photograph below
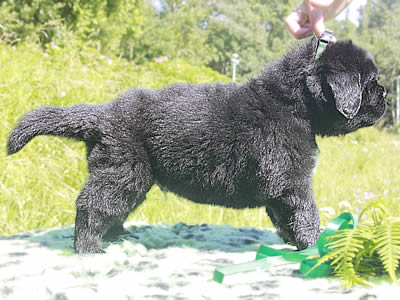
374, 77
356, 77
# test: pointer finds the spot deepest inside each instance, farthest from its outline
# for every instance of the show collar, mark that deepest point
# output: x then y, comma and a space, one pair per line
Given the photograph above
323, 42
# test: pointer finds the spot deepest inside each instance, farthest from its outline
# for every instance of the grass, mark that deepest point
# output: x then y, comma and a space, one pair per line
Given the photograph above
39, 185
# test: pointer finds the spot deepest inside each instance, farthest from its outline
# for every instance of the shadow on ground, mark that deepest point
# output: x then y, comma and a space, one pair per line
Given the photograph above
205, 237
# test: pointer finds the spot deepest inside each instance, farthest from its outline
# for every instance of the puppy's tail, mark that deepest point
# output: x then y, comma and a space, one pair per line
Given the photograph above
79, 122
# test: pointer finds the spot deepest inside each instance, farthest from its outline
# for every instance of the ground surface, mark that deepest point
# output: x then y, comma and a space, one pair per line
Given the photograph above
158, 262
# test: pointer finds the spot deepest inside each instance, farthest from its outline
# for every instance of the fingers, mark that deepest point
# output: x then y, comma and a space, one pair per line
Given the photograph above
309, 17
316, 16
321, 3
298, 26
331, 8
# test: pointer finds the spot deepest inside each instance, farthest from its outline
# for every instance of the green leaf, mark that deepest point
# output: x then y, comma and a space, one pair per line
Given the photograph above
346, 247
387, 237
378, 209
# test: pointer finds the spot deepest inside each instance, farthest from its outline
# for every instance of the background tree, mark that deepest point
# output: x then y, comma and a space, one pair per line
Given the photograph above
176, 30
253, 29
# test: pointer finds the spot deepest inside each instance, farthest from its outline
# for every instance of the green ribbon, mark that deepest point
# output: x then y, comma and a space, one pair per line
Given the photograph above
307, 258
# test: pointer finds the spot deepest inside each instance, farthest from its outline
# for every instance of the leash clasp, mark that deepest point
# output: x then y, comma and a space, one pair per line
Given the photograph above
323, 42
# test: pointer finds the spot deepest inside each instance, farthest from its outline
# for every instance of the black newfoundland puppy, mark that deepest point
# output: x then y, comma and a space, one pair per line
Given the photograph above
247, 145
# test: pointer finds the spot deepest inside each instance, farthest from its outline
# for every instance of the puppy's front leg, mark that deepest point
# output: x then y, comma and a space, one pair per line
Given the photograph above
296, 217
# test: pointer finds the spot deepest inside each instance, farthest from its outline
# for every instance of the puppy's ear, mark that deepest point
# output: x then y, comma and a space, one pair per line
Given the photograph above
346, 89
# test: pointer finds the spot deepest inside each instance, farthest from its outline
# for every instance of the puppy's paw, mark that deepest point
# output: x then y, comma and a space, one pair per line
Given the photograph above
88, 245
306, 240
89, 250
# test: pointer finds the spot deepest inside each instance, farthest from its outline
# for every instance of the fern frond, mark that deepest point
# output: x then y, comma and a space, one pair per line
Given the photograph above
378, 208
372, 248
346, 272
387, 245
364, 263
345, 245
346, 240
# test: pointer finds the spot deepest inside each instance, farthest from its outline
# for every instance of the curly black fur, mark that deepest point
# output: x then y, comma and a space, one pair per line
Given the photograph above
238, 146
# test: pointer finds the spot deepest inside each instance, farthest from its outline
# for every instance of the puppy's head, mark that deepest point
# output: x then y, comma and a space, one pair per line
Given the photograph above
344, 82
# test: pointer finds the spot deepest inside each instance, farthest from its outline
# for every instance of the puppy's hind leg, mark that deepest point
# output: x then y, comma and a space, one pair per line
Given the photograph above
106, 200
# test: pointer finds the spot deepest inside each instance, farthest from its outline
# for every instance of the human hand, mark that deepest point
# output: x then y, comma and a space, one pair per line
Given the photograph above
309, 17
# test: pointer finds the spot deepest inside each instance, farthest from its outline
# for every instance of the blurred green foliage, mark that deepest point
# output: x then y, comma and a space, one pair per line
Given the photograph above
38, 186
203, 32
